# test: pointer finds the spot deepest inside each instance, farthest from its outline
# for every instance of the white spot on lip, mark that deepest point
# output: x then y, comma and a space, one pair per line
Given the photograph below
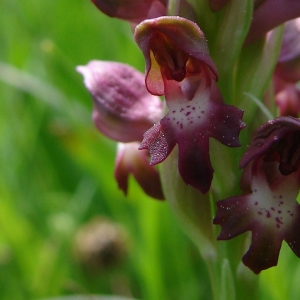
268, 206
187, 117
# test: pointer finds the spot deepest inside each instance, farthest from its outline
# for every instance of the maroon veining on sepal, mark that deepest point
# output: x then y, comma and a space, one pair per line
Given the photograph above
130, 160
277, 140
271, 212
123, 108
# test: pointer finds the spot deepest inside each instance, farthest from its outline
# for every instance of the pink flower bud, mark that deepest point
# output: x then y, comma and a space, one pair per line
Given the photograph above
123, 108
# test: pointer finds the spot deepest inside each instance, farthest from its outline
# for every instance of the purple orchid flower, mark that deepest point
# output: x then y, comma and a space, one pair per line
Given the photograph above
270, 209
269, 14
178, 66
123, 111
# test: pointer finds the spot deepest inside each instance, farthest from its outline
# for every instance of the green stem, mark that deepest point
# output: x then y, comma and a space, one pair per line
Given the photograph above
173, 7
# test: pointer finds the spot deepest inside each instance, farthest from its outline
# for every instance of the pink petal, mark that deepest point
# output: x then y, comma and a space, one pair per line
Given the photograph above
123, 108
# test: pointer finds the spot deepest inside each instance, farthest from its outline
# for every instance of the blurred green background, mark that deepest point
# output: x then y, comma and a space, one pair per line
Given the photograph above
56, 174
57, 170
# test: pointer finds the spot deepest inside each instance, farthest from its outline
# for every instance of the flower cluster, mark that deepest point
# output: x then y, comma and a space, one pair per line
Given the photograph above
179, 67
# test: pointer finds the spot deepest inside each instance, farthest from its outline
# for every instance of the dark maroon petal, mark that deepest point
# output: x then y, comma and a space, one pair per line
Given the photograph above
263, 252
269, 15
194, 161
227, 120
160, 141
292, 237
233, 216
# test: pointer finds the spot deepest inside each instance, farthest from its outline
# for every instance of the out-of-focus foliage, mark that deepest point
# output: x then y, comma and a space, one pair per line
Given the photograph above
56, 173
56, 170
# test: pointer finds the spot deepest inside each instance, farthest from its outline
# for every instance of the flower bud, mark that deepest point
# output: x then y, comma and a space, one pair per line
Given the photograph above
123, 108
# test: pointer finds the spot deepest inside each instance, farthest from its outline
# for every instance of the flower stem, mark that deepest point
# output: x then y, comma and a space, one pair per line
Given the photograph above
173, 7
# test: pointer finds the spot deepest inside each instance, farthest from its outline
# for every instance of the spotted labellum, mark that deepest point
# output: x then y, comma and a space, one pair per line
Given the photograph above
178, 66
269, 208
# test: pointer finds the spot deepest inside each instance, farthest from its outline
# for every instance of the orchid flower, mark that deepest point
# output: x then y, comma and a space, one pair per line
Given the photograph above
270, 210
269, 14
123, 110
178, 66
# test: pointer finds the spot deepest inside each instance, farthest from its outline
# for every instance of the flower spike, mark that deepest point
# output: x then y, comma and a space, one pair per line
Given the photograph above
178, 65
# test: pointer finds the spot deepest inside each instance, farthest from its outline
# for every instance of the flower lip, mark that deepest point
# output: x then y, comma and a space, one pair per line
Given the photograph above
190, 123
270, 210
171, 41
